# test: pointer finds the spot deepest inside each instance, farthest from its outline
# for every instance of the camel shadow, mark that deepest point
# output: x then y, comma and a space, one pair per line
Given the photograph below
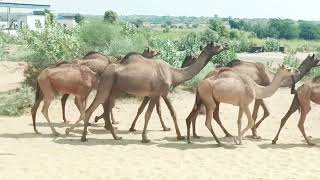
7, 154
62, 124
31, 135
185, 146
203, 139
95, 141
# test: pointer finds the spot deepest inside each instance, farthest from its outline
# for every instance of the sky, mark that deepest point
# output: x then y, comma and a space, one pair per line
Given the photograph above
293, 9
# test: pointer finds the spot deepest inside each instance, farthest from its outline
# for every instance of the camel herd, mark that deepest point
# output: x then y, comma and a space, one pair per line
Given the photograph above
238, 83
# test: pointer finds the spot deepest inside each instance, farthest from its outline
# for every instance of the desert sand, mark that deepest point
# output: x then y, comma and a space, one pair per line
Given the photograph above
25, 155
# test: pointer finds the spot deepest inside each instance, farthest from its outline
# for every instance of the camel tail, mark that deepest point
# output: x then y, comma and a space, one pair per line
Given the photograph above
34, 109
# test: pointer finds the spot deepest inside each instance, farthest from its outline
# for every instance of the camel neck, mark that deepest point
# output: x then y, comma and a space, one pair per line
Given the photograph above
181, 75
267, 91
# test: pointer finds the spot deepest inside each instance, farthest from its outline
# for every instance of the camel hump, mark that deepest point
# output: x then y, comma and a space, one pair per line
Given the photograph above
224, 69
91, 53
58, 64
233, 63
316, 79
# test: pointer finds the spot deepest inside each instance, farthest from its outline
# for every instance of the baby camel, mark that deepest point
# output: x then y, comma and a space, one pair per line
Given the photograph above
309, 91
63, 79
240, 90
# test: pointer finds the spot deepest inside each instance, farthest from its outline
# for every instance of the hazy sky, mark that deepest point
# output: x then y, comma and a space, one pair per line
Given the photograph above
293, 9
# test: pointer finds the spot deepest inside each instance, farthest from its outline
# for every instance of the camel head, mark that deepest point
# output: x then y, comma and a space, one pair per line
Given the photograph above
214, 48
286, 72
147, 53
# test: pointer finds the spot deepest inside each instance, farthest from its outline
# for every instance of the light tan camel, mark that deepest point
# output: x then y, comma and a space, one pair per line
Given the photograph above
263, 77
308, 92
73, 79
234, 88
145, 78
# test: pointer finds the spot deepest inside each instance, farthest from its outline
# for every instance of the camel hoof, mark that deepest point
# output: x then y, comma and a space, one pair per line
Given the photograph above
311, 144
37, 132
180, 138
228, 135
196, 137
219, 145
117, 138
237, 141
256, 137
274, 142
89, 124
145, 140
56, 134
166, 129
83, 139
132, 130
68, 131
189, 142
115, 122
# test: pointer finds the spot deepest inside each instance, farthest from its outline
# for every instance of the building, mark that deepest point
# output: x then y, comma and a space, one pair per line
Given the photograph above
67, 20
28, 20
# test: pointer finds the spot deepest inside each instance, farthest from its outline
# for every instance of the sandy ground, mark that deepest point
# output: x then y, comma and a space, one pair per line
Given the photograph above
11, 75
24, 155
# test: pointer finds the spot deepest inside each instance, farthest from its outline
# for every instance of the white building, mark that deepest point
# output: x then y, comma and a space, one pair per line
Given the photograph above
67, 20
31, 20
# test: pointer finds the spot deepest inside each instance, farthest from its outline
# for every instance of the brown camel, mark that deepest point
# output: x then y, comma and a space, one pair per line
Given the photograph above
73, 79
308, 92
97, 62
145, 78
228, 86
263, 77
145, 101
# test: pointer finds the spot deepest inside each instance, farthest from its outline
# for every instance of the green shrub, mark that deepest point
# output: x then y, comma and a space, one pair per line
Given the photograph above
15, 103
271, 45
291, 60
193, 83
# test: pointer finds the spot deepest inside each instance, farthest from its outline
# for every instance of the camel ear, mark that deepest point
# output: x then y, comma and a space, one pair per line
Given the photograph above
200, 47
313, 55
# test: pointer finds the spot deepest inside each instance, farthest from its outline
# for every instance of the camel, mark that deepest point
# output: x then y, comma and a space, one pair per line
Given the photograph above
308, 92
228, 86
145, 101
63, 78
97, 63
263, 77
145, 78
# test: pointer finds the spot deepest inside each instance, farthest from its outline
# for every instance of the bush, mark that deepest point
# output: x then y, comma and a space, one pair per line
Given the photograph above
291, 60
271, 45
15, 103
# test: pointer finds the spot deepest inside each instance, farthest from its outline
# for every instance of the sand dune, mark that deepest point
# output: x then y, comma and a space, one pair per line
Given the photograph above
24, 155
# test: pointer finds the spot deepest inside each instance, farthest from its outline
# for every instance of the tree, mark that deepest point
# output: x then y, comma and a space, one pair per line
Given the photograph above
79, 18
218, 26
283, 28
138, 23
309, 31
110, 17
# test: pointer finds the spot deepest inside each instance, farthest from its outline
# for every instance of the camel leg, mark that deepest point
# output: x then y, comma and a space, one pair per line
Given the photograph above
34, 111
81, 104
192, 118
158, 106
217, 118
63, 105
140, 110
250, 124
257, 104
103, 93
107, 111
209, 116
44, 111
173, 114
304, 111
147, 116
265, 115
239, 122
293, 108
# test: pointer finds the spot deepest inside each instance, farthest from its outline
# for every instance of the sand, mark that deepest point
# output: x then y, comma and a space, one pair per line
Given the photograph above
24, 155
11, 75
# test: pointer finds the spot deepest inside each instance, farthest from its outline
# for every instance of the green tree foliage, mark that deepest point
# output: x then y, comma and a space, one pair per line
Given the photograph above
283, 29
110, 17
309, 31
218, 26
79, 18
